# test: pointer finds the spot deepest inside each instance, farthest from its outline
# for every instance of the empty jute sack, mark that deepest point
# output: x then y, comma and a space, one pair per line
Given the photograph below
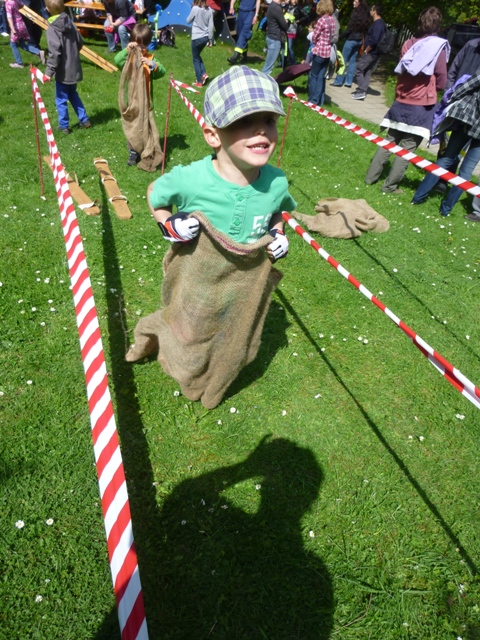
343, 218
215, 296
138, 119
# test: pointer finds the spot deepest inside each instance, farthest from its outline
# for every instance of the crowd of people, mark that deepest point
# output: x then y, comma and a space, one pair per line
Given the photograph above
421, 71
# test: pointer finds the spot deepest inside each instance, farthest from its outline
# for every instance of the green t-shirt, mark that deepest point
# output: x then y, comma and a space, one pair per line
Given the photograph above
243, 213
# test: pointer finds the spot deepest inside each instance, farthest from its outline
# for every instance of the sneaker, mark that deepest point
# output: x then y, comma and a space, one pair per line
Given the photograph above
133, 158
42, 56
472, 217
198, 84
15, 65
441, 187
65, 130
205, 78
359, 95
86, 124
235, 58
4, 34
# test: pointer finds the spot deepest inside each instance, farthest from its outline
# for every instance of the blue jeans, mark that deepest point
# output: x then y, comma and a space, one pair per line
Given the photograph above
349, 53
26, 46
458, 140
476, 206
198, 46
273, 49
244, 29
316, 80
65, 93
123, 34
3, 18
291, 53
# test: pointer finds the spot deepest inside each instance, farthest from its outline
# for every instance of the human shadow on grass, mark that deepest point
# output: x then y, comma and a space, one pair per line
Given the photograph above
175, 142
234, 573
397, 459
439, 321
104, 115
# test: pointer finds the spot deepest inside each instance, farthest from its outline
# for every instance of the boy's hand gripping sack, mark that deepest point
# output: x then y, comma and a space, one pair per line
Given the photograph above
180, 228
279, 247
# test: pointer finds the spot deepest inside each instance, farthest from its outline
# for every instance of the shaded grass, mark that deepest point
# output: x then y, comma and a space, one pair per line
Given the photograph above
394, 518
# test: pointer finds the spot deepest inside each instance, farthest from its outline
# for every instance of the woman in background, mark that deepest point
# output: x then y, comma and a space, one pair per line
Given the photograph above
321, 38
357, 27
422, 72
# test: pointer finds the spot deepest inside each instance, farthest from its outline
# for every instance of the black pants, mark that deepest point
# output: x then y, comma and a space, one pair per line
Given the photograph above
366, 65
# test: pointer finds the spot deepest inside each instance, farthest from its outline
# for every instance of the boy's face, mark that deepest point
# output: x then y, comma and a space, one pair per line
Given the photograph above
249, 142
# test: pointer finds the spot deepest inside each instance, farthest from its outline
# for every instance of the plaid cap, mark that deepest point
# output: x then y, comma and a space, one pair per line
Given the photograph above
239, 92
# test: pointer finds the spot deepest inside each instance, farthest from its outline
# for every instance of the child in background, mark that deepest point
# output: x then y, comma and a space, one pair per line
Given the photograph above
19, 36
140, 38
64, 44
309, 54
241, 194
292, 15
201, 18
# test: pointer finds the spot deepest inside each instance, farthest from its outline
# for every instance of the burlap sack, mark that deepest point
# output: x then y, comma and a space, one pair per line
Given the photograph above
138, 120
343, 218
215, 294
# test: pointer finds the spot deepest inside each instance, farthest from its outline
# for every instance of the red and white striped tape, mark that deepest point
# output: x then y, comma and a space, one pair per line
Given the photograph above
418, 161
192, 108
111, 476
182, 85
453, 375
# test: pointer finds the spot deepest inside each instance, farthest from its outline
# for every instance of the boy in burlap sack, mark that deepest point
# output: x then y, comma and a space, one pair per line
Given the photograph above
228, 230
135, 99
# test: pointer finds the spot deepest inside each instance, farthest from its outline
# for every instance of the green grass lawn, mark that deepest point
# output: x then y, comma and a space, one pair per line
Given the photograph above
339, 500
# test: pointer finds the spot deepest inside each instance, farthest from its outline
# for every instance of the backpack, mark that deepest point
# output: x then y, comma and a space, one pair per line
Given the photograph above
166, 36
336, 33
386, 42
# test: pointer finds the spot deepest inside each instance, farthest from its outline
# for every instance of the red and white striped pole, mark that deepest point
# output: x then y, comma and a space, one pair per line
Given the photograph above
191, 107
111, 476
418, 161
453, 375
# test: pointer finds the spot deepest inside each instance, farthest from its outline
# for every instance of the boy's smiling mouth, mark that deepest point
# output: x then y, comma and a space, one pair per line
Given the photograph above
260, 147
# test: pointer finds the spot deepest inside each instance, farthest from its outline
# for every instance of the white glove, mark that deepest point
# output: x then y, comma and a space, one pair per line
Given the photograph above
180, 228
279, 247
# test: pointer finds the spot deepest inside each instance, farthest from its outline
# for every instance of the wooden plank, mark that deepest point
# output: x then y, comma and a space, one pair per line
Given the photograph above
75, 4
85, 51
86, 204
86, 25
115, 197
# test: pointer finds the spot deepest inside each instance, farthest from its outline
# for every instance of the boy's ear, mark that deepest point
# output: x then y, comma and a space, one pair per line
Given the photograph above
211, 136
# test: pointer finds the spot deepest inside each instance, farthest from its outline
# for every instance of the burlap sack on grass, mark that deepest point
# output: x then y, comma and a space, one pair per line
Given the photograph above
138, 119
215, 295
343, 218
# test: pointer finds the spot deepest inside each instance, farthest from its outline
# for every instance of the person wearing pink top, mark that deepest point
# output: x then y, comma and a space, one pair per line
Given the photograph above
321, 38
19, 36
423, 71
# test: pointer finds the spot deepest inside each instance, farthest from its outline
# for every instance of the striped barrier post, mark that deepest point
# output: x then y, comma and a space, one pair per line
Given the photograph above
182, 85
453, 375
111, 476
191, 107
418, 161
